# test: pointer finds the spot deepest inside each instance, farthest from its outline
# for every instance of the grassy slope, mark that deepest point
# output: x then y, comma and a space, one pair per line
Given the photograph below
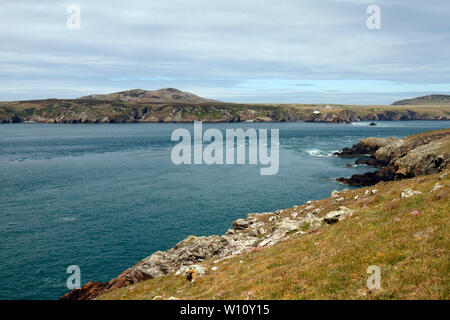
331, 263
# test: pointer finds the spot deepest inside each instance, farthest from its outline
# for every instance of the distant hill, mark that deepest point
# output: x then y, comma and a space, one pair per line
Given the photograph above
429, 99
167, 95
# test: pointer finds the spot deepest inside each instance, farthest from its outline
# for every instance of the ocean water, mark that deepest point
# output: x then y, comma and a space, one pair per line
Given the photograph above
104, 196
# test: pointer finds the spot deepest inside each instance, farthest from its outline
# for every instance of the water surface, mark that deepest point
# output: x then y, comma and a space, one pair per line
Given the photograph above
104, 196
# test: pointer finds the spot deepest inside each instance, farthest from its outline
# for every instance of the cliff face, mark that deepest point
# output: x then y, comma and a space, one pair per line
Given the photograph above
415, 155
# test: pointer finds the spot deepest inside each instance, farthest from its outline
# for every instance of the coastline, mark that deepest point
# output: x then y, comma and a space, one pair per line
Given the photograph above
99, 111
259, 231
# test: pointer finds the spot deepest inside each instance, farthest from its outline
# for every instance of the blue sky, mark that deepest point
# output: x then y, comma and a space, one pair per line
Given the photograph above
241, 51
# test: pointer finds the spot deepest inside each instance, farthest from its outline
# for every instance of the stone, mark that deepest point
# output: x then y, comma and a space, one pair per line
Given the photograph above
241, 224
335, 216
436, 187
198, 270
283, 227
408, 192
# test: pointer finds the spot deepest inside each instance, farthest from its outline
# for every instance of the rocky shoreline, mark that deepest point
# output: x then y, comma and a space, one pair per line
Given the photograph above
257, 231
398, 158
420, 154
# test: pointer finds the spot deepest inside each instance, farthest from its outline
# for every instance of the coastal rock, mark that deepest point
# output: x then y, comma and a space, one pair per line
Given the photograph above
234, 245
187, 252
425, 159
88, 292
335, 216
366, 146
241, 224
415, 155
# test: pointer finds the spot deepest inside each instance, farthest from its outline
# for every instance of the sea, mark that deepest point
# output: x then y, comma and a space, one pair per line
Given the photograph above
104, 196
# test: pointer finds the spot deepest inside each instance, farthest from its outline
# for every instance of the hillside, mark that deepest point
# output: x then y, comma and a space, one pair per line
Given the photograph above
432, 99
320, 249
167, 95
172, 105
401, 227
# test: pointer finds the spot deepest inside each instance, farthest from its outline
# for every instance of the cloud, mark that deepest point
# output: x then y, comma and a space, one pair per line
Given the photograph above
213, 47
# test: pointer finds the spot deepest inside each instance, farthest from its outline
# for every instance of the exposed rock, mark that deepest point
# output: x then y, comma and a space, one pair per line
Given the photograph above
408, 192
335, 216
187, 252
241, 224
258, 230
436, 187
366, 146
198, 270
88, 292
415, 155
426, 159
334, 194
282, 228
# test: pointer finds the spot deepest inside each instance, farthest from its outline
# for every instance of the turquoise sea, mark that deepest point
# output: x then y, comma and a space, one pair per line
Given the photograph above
104, 196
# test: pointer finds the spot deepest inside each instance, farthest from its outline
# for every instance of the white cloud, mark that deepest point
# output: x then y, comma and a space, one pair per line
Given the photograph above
228, 40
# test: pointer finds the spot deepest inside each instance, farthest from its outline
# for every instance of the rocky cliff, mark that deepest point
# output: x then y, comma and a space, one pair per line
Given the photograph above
400, 158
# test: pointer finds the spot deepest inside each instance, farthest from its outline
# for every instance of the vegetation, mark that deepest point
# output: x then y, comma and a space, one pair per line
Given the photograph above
90, 111
172, 105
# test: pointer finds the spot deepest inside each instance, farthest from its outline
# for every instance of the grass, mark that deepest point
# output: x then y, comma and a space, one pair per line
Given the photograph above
407, 238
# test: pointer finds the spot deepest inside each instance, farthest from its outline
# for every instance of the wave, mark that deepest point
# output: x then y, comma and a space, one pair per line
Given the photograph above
319, 153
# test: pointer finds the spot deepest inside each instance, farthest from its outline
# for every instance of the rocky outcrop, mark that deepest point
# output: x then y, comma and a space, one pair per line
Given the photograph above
338, 215
88, 292
408, 157
367, 146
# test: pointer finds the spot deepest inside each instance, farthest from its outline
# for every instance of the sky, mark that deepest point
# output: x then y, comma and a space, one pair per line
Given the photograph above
272, 51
